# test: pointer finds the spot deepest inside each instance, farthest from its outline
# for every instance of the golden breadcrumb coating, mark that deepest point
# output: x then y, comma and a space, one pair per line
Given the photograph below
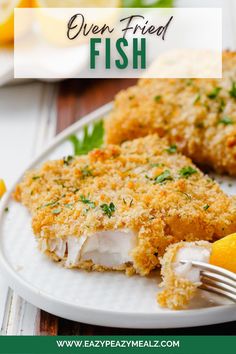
198, 115
177, 291
157, 193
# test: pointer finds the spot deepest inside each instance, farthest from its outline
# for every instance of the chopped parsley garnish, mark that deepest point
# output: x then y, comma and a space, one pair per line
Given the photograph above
163, 177
232, 91
67, 159
187, 171
130, 203
56, 211
188, 196
86, 172
172, 149
221, 105
91, 139
6, 210
87, 201
189, 82
108, 209
69, 206
157, 98
52, 204
197, 99
226, 120
214, 93
35, 177
206, 207
157, 164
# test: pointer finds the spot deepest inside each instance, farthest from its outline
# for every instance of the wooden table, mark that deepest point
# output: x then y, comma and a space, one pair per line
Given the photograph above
76, 98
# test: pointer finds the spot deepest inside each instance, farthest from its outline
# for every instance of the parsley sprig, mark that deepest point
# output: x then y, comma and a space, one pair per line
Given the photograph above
143, 3
91, 139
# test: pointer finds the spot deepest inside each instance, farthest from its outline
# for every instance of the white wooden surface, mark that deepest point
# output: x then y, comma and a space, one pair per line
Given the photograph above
27, 123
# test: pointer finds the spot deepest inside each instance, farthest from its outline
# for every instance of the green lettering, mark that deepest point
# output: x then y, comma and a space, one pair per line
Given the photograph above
139, 52
93, 51
108, 53
119, 63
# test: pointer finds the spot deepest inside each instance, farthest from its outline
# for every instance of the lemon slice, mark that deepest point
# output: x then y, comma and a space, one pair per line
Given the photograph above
7, 18
224, 253
77, 3
57, 20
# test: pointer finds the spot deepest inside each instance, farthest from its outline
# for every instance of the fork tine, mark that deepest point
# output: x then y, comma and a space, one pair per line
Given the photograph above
218, 291
213, 269
219, 285
218, 278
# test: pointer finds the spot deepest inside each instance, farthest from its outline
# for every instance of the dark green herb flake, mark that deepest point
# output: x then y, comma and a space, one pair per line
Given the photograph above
214, 93
108, 209
52, 204
56, 211
221, 105
232, 91
226, 120
69, 206
67, 159
163, 177
86, 172
206, 207
87, 201
157, 98
172, 149
197, 99
187, 171
157, 164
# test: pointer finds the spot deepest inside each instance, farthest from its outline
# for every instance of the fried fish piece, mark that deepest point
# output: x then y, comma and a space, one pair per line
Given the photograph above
198, 116
181, 281
119, 207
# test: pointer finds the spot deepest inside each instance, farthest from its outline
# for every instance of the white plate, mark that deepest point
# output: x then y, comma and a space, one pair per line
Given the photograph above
108, 299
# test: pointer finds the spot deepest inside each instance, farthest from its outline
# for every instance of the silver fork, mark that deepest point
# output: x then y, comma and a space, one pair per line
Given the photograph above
216, 279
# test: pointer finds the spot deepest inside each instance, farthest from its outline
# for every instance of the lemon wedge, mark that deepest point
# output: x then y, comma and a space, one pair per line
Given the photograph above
2, 187
7, 18
224, 253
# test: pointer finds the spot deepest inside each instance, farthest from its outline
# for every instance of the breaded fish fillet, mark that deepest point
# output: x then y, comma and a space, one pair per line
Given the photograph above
180, 281
199, 116
119, 207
